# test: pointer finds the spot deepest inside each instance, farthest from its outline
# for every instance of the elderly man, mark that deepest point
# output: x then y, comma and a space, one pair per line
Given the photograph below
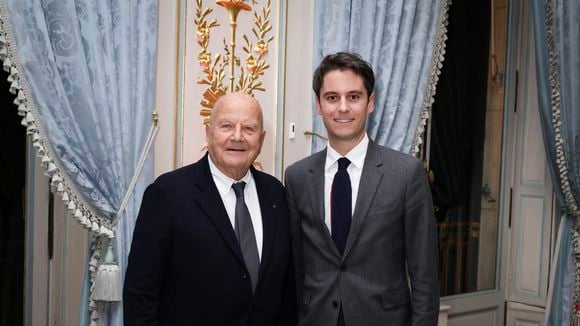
212, 243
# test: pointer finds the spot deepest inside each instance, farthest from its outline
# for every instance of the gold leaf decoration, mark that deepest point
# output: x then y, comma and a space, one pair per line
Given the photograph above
214, 66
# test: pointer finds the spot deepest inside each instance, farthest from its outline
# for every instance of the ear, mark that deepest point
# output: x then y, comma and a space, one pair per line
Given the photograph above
207, 131
318, 108
262, 137
371, 104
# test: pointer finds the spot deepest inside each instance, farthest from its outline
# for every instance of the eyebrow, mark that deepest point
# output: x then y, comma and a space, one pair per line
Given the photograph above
348, 93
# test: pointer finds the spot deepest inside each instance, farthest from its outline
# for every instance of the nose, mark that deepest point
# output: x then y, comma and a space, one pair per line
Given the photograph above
237, 135
343, 105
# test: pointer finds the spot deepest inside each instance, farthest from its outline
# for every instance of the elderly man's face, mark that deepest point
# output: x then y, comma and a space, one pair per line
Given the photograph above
235, 134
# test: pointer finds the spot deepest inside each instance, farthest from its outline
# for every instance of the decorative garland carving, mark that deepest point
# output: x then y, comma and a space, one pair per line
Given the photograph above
214, 66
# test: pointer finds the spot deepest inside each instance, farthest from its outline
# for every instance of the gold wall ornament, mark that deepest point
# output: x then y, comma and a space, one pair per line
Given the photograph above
214, 66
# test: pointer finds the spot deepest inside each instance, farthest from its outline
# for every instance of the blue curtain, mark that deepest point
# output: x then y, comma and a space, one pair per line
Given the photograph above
84, 75
557, 46
402, 40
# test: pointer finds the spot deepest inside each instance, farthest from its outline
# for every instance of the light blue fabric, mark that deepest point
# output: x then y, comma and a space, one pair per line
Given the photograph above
91, 69
567, 47
397, 38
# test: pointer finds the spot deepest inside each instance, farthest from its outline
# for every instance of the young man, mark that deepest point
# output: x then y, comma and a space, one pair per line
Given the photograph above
361, 216
212, 241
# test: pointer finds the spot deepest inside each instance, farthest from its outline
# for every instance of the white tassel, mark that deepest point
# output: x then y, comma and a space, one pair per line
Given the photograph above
51, 167
107, 286
21, 109
7, 64
30, 129
85, 221
29, 117
55, 178
103, 231
95, 227
15, 86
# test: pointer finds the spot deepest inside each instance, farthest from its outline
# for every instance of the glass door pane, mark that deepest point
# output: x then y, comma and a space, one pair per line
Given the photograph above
465, 146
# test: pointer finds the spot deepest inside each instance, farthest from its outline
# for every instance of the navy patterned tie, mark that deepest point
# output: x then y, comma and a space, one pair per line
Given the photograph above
341, 205
245, 233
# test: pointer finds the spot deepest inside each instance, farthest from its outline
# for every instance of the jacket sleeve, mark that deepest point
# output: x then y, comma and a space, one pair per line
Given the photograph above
148, 260
421, 248
296, 233
288, 315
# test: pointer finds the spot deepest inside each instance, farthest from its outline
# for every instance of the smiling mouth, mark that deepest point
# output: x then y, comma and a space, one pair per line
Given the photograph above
343, 120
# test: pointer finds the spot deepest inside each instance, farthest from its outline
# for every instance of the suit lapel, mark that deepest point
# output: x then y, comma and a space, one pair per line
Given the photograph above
211, 203
269, 208
370, 180
315, 187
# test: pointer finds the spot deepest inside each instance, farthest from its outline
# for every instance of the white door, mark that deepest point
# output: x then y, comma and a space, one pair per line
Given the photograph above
473, 245
525, 197
56, 254
532, 216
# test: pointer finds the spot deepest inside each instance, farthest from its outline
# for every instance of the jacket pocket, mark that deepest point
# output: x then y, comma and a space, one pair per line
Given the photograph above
397, 297
382, 210
306, 295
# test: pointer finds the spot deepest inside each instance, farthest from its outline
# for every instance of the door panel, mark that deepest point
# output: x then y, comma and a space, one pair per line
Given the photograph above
532, 188
523, 315
56, 254
37, 262
476, 318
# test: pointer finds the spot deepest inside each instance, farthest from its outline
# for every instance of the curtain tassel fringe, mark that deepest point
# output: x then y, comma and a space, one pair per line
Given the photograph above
107, 286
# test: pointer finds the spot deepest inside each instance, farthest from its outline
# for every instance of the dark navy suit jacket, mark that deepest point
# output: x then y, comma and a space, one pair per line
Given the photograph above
185, 265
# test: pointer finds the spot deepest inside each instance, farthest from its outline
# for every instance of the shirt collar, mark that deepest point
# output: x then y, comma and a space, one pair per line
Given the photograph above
222, 181
356, 155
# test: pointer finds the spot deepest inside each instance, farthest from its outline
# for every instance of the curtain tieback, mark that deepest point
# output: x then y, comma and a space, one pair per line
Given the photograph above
129, 192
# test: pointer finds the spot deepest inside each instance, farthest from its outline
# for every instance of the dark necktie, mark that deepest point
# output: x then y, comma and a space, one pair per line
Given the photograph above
341, 205
245, 233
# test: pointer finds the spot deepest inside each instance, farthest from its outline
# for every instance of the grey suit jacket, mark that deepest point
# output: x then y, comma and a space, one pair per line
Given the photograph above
393, 231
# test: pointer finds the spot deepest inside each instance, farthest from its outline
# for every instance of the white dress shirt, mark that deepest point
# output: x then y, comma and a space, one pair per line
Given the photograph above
224, 186
356, 156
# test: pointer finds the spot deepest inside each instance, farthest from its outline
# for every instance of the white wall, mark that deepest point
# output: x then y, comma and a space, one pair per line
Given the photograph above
288, 96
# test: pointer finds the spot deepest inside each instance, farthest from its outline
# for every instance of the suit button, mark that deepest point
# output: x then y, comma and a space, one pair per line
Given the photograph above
244, 276
334, 304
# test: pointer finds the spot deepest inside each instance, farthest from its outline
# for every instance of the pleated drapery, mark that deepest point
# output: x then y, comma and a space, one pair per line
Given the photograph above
403, 40
83, 72
558, 67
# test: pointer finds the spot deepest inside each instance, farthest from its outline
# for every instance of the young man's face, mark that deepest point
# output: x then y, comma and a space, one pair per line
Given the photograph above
344, 104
